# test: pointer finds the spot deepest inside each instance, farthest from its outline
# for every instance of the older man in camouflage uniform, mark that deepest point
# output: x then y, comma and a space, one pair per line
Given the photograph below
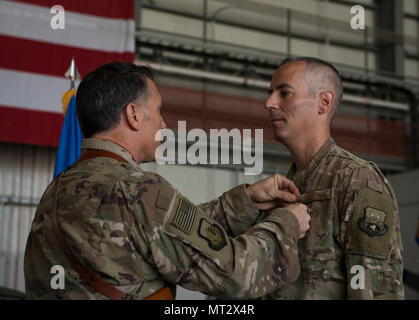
353, 249
120, 232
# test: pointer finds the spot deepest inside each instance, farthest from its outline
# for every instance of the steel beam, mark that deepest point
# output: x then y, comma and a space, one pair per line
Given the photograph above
389, 15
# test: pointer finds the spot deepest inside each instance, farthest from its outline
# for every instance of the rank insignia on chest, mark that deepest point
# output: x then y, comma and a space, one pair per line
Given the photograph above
373, 222
213, 234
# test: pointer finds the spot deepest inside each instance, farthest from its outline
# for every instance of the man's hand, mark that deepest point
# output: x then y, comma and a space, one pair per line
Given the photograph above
273, 191
300, 212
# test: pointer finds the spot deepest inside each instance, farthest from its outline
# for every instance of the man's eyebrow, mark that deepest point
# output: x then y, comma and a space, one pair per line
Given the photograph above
280, 86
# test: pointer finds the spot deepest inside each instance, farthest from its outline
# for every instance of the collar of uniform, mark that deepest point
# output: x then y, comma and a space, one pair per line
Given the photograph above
106, 145
301, 178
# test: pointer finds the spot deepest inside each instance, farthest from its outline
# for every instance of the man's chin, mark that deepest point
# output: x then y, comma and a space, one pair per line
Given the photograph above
279, 136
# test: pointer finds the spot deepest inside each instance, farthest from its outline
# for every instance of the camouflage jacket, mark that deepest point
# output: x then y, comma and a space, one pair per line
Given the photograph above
136, 232
353, 248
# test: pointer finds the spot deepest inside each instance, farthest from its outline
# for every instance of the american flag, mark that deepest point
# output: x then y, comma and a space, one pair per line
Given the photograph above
34, 57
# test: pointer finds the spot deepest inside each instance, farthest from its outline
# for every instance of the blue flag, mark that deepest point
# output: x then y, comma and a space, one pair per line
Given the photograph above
70, 140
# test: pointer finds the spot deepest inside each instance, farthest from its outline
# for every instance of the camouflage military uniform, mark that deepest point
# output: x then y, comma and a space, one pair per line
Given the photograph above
354, 223
136, 232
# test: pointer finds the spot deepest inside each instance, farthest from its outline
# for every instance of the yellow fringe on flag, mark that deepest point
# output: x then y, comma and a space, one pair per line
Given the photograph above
66, 99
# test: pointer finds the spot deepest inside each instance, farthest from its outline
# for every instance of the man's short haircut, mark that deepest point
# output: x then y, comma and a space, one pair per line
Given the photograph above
104, 93
320, 75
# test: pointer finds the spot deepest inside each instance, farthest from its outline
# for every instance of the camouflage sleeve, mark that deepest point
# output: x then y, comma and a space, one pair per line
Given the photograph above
234, 211
191, 249
370, 231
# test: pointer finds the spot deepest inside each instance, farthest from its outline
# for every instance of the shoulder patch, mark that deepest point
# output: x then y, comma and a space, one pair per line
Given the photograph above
213, 234
194, 228
185, 216
163, 199
371, 225
162, 204
373, 222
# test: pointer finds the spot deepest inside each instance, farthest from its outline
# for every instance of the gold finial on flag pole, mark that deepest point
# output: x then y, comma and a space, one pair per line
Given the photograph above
72, 73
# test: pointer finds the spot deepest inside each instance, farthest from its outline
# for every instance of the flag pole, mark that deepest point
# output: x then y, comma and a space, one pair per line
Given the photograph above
71, 137
72, 73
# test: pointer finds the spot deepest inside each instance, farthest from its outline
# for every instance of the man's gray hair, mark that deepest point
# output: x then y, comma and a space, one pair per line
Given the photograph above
320, 75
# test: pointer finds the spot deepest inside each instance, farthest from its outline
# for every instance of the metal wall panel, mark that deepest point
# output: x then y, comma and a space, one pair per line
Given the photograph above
412, 67
327, 20
25, 172
170, 23
411, 7
405, 186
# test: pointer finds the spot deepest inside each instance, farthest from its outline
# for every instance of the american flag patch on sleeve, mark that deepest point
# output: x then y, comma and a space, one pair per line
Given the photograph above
185, 216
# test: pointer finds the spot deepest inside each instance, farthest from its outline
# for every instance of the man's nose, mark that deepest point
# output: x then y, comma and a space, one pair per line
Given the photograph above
272, 102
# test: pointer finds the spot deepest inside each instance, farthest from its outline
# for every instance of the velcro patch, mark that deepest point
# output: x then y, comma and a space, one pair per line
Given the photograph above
194, 228
163, 200
185, 216
213, 234
373, 222
371, 225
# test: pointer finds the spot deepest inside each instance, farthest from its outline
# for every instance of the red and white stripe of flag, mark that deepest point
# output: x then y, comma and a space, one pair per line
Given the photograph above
34, 58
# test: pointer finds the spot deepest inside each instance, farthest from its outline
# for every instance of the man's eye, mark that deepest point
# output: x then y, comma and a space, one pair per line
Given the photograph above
284, 93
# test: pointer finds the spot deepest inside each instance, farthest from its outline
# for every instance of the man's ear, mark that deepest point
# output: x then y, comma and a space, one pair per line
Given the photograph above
134, 115
326, 101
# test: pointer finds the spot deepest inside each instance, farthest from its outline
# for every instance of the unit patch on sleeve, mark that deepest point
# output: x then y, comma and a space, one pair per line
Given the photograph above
189, 225
213, 234
373, 222
371, 226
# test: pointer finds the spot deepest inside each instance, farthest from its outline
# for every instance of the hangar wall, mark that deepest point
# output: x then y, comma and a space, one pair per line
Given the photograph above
25, 172
405, 186
266, 22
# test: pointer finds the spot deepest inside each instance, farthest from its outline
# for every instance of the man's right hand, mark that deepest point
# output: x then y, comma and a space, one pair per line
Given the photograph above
273, 191
300, 212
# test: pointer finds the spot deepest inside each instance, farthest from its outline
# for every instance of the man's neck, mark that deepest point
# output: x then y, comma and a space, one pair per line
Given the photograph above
304, 148
115, 139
